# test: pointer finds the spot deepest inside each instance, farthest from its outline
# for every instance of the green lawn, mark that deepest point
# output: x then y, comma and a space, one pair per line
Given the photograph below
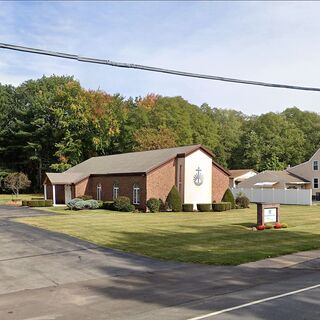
210, 238
7, 198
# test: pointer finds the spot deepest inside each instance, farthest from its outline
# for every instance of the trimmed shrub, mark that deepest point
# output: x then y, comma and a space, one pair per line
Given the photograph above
261, 227
79, 204
72, 203
221, 206
242, 201
123, 204
228, 197
284, 225
268, 226
204, 207
108, 205
174, 200
187, 207
85, 197
91, 204
37, 203
153, 205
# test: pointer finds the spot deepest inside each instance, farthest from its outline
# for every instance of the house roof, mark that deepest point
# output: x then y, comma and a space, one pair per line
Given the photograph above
270, 178
240, 172
125, 163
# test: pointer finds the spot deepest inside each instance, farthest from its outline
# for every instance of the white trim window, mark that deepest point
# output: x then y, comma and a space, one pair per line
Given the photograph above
99, 189
315, 183
115, 191
136, 194
315, 165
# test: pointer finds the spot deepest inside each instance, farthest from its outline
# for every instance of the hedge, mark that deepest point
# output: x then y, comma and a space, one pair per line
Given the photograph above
204, 207
221, 206
37, 203
187, 207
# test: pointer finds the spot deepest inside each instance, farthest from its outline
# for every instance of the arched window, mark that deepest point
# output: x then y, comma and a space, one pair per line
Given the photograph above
99, 188
115, 191
136, 194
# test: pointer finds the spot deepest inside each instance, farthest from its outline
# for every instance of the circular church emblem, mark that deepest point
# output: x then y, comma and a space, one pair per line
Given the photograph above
198, 177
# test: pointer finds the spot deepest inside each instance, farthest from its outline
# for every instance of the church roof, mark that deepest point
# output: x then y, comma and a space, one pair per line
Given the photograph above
125, 163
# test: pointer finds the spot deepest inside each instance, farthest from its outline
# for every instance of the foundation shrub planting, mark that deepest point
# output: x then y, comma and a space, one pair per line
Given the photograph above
153, 205
221, 206
123, 204
174, 200
228, 197
204, 207
187, 207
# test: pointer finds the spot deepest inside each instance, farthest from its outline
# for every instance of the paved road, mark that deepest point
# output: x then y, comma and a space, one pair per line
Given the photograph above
46, 276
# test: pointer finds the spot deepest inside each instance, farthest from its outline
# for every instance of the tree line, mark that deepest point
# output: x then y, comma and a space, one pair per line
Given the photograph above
52, 123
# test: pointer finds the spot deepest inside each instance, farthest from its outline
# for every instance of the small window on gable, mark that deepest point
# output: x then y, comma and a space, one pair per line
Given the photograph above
115, 191
315, 165
99, 188
136, 194
315, 183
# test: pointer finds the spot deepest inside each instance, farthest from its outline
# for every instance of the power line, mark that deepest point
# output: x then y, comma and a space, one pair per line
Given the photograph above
152, 69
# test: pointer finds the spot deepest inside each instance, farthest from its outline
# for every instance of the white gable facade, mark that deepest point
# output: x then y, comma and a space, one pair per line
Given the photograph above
194, 178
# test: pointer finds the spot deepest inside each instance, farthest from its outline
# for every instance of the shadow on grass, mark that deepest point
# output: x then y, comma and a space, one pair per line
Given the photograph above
192, 287
218, 245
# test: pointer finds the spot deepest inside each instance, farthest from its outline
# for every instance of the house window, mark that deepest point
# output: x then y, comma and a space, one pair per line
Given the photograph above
180, 178
99, 191
115, 191
315, 183
136, 194
315, 165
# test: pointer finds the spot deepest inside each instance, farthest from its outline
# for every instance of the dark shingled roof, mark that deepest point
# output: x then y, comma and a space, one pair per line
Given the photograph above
133, 162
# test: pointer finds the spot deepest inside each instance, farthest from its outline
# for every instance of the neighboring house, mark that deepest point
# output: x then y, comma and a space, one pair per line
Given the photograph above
143, 175
277, 180
240, 175
310, 170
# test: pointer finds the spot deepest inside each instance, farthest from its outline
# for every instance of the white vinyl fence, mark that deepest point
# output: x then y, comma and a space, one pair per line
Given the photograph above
282, 196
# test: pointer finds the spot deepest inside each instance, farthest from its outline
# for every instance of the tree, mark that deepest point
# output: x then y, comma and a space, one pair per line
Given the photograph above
16, 181
151, 139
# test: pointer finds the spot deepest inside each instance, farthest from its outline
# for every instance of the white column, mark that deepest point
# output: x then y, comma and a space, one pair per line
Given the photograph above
45, 191
54, 194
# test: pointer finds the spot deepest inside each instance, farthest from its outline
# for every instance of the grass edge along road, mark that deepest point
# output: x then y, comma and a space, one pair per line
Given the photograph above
209, 238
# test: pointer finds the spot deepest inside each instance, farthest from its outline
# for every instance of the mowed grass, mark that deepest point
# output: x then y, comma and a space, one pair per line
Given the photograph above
209, 238
7, 198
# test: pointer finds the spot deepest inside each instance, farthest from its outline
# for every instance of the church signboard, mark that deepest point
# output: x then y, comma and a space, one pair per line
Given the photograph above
268, 213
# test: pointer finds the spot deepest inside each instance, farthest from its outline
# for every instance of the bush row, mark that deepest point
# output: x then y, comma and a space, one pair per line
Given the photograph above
37, 203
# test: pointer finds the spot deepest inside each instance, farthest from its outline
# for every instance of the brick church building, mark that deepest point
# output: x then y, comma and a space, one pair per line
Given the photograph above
141, 176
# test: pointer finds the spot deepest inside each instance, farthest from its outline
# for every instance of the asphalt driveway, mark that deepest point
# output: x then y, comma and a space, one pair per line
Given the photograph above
46, 275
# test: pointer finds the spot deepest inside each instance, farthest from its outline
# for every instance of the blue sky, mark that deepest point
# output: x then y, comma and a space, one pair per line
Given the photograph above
264, 41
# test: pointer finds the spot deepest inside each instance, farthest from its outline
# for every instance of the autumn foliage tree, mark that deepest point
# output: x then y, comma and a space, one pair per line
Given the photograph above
151, 139
16, 181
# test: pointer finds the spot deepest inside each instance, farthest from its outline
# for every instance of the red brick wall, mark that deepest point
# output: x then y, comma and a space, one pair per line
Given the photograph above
125, 184
161, 180
220, 183
81, 188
